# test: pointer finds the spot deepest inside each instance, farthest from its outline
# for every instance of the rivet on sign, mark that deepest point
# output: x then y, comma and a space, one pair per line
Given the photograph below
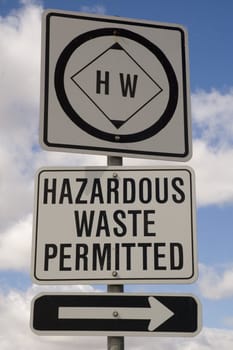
115, 314
114, 175
117, 138
114, 273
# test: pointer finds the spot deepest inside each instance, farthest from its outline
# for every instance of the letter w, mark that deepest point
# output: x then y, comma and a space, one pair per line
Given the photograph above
84, 223
127, 85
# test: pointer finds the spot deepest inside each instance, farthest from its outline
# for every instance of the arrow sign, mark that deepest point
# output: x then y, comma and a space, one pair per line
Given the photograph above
157, 313
115, 314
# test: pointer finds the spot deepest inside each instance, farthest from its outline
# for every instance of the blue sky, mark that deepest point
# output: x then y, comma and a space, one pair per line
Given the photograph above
209, 25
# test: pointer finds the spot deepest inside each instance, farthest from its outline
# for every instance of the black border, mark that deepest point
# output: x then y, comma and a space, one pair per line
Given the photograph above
142, 69
79, 121
105, 149
45, 313
115, 280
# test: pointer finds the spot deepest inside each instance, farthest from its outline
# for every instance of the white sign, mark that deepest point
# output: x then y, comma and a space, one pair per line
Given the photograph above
114, 86
114, 225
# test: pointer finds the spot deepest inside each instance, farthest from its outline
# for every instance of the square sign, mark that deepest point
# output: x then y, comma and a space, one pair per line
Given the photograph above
114, 225
114, 86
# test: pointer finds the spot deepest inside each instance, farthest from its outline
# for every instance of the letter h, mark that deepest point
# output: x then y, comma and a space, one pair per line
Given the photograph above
105, 82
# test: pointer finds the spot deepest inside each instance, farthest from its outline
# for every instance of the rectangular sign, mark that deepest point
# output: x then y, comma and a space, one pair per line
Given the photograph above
116, 314
115, 86
114, 225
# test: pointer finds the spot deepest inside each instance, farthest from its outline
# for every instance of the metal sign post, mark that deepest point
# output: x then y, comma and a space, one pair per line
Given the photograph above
115, 343
115, 225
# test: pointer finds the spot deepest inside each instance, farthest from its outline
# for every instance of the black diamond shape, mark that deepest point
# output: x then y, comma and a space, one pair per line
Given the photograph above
116, 123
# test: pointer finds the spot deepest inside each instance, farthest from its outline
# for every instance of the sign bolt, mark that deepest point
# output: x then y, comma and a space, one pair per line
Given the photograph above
115, 314
117, 138
114, 273
114, 175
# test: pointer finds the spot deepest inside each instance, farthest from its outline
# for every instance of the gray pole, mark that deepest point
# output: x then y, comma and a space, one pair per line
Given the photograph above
115, 343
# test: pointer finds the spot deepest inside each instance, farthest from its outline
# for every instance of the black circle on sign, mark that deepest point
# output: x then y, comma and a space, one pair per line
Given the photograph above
79, 121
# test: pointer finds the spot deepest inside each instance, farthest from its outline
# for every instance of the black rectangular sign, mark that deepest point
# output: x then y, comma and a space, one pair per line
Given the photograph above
116, 314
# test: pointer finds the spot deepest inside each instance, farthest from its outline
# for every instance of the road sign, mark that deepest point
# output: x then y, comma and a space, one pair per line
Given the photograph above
114, 86
114, 225
116, 314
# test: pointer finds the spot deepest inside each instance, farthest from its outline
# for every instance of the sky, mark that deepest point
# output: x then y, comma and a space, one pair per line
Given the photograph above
209, 26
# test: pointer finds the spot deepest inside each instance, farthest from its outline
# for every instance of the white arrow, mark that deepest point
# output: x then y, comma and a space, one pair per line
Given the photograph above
157, 313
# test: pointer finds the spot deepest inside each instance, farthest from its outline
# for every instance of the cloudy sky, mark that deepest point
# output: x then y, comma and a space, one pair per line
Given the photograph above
209, 25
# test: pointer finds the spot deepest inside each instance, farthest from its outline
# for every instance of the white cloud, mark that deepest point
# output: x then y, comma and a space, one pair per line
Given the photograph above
15, 326
19, 90
216, 283
212, 115
15, 245
214, 173
29, 2
20, 58
15, 332
213, 146
228, 321
100, 9
208, 339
